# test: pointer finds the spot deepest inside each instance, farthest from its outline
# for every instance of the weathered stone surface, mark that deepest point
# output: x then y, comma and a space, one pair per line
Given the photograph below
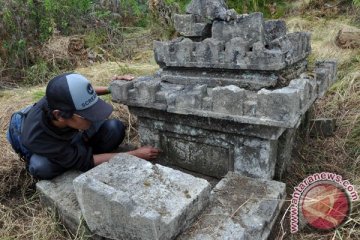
237, 53
59, 195
296, 46
227, 126
256, 157
146, 88
130, 198
280, 107
249, 28
228, 100
250, 81
209, 51
211, 9
281, 104
160, 53
322, 127
266, 60
325, 75
234, 48
120, 90
209, 147
241, 208
274, 29
190, 26
284, 150
307, 89
191, 97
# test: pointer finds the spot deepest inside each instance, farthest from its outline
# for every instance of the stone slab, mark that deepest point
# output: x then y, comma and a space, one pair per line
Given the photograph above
281, 104
249, 28
236, 54
247, 80
59, 195
280, 107
240, 208
228, 99
130, 198
189, 26
206, 123
210, 9
284, 152
322, 127
325, 75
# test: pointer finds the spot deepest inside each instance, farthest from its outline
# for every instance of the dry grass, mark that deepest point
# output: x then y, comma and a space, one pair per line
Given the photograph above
341, 153
25, 219
21, 216
102, 73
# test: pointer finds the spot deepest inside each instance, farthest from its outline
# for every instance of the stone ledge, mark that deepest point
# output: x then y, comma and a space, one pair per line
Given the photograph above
280, 107
235, 53
250, 81
325, 75
190, 26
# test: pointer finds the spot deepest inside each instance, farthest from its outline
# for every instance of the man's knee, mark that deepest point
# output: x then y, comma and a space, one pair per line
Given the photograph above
40, 167
109, 136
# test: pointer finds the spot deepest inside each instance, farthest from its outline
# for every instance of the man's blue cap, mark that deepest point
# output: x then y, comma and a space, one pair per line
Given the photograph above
73, 92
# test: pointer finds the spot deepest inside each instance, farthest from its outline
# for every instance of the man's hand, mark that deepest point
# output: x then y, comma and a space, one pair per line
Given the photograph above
146, 152
123, 77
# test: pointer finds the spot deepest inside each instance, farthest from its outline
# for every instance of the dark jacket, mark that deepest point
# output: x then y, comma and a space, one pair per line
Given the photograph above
63, 146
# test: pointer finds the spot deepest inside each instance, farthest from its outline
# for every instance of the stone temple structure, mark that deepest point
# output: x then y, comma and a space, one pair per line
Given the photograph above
230, 95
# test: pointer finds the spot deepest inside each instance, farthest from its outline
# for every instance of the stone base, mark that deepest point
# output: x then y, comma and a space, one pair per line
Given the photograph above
240, 208
322, 127
213, 147
130, 198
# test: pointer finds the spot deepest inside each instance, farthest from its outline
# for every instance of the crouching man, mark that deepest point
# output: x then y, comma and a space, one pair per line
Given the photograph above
68, 129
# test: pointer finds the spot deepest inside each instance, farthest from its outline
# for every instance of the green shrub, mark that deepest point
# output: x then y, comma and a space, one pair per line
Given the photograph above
40, 73
270, 8
27, 24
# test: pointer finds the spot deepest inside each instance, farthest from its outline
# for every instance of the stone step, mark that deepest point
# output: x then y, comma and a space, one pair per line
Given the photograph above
240, 208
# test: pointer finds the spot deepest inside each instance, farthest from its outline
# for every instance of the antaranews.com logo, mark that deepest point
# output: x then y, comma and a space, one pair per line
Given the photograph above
322, 201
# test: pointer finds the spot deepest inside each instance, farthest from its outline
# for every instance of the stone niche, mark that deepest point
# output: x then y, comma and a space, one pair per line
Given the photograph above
231, 92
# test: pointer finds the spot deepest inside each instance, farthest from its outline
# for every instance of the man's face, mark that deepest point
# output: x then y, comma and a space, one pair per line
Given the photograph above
78, 122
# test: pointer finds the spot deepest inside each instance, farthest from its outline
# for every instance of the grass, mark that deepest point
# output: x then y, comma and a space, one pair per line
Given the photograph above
21, 216
340, 153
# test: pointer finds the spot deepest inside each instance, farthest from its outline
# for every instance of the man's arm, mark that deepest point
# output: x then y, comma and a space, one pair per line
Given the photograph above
146, 152
106, 90
101, 90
